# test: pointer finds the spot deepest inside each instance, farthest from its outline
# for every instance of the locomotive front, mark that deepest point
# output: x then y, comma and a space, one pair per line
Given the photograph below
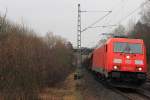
128, 60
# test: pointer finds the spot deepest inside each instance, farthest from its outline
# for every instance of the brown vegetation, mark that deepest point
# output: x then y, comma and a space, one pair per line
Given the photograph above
29, 62
140, 29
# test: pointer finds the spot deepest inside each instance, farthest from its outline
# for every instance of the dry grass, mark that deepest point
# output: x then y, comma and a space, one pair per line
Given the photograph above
66, 91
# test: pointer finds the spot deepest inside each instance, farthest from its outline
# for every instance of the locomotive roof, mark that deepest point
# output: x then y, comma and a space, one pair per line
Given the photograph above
125, 40
120, 40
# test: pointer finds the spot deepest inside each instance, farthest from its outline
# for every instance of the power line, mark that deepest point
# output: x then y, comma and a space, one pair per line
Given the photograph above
112, 9
96, 21
103, 26
79, 31
94, 11
90, 26
133, 12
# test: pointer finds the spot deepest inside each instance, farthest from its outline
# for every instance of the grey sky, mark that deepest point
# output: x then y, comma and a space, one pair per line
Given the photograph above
60, 16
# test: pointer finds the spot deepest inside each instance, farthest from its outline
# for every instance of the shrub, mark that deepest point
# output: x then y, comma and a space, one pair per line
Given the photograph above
29, 62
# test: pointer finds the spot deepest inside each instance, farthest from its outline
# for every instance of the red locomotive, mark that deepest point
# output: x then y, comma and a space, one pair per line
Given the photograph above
121, 60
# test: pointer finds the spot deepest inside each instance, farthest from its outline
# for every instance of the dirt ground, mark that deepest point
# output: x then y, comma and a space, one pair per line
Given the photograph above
94, 90
85, 89
63, 91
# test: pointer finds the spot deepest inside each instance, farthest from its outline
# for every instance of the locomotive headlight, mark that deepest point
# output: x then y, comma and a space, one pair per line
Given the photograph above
140, 69
128, 57
117, 61
139, 62
115, 67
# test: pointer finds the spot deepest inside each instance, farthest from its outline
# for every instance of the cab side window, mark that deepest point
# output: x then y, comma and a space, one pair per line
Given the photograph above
106, 47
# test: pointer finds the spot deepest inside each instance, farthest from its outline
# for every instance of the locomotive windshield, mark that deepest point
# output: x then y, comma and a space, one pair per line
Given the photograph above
125, 47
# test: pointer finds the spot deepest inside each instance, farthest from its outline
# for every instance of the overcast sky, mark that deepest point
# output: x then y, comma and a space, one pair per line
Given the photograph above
60, 16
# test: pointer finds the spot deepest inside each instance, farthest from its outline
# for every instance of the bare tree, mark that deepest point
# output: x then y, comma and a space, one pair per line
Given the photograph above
119, 30
29, 62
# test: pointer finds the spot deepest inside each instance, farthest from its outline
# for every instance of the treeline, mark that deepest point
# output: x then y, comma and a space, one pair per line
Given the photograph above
29, 62
139, 29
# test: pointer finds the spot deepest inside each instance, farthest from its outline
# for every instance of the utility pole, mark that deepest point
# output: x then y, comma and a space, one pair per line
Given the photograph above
78, 73
79, 52
79, 60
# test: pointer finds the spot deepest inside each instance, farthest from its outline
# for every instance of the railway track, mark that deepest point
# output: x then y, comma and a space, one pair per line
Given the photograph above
127, 97
146, 86
132, 94
144, 93
139, 94
148, 80
128, 94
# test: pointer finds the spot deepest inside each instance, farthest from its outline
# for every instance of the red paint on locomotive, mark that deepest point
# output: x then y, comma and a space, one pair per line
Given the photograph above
119, 58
